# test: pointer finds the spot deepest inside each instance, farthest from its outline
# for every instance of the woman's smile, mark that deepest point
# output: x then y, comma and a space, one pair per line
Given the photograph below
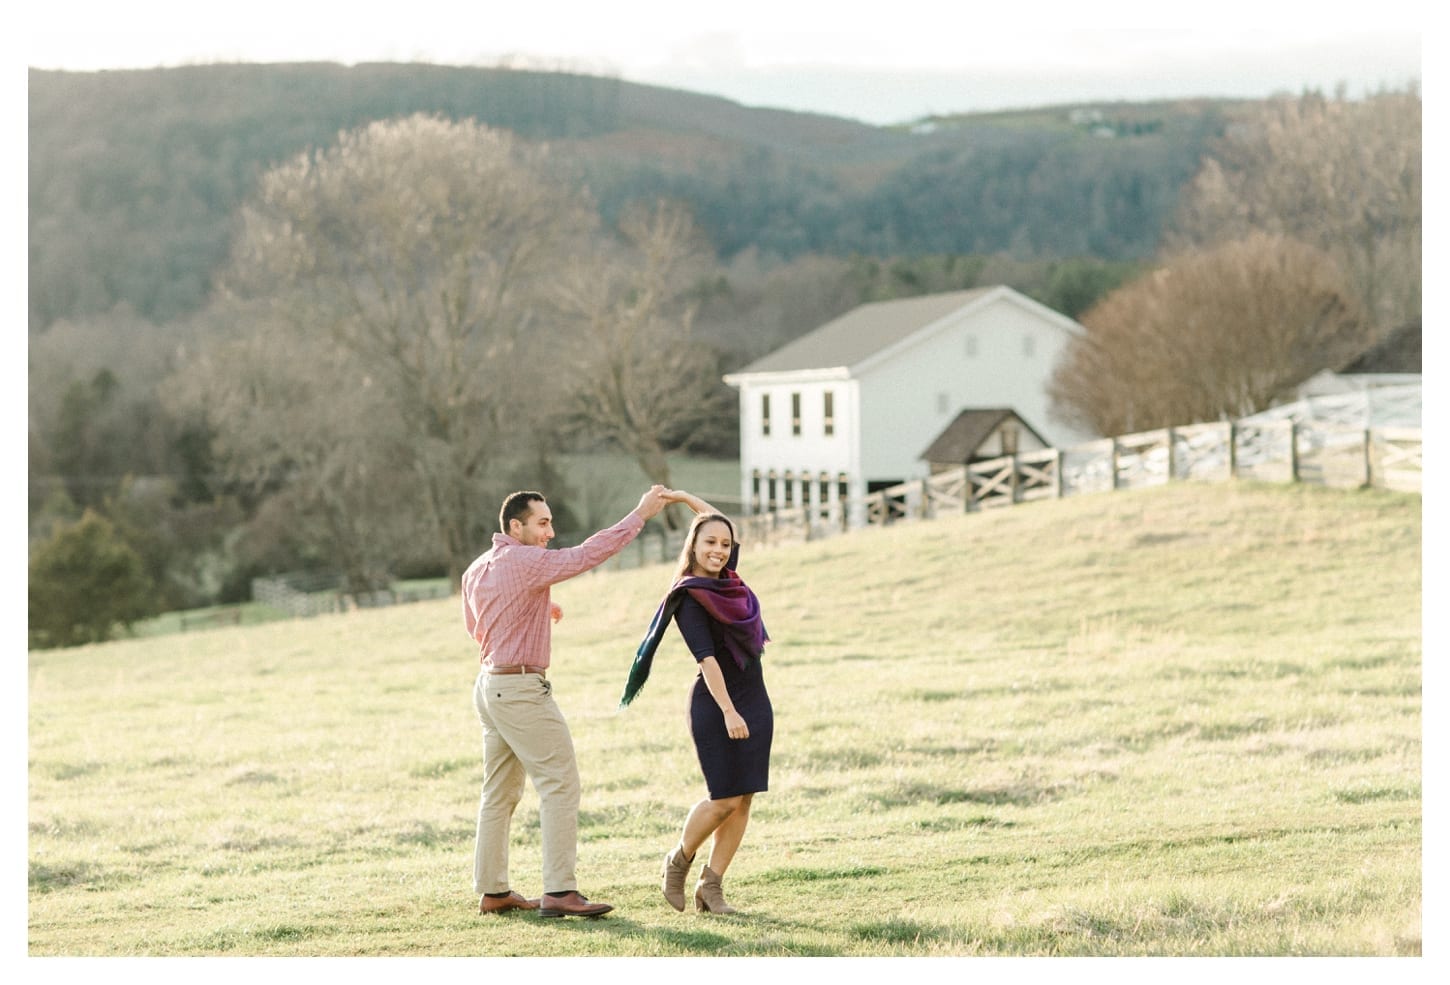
712, 547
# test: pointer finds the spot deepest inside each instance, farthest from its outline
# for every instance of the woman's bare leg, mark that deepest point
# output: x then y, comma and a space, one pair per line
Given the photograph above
706, 818
728, 834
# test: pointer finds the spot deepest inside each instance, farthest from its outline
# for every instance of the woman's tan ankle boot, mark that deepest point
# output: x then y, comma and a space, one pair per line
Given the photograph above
708, 894
672, 877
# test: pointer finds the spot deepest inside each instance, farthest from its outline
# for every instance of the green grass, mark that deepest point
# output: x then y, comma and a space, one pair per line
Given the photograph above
1177, 721
208, 617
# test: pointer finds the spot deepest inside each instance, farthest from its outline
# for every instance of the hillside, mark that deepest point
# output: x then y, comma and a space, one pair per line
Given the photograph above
1182, 720
134, 176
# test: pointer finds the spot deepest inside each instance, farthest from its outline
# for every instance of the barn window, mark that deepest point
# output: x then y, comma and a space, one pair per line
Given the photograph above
765, 414
1008, 437
1029, 346
795, 414
830, 412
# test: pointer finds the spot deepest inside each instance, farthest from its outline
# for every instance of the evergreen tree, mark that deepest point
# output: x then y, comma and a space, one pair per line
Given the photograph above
84, 582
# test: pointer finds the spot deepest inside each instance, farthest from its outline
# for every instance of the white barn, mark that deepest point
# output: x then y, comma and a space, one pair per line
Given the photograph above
852, 406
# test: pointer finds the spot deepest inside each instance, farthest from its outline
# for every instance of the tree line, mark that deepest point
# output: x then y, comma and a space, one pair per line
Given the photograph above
134, 176
412, 318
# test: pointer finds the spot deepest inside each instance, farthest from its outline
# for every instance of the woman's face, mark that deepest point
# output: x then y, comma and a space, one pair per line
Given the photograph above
712, 549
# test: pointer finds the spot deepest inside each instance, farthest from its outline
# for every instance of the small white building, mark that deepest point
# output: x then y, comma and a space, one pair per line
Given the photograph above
979, 434
1381, 387
849, 407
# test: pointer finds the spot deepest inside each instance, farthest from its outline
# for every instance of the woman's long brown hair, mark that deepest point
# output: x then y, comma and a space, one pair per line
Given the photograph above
687, 551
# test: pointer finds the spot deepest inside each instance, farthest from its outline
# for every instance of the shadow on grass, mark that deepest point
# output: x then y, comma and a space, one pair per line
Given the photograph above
47, 878
426, 834
702, 942
440, 768
1019, 795
1363, 795
818, 875
255, 942
831, 760
962, 823
70, 771
653, 818
901, 932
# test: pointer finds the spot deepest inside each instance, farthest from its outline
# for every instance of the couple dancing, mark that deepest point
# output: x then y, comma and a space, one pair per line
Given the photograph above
507, 610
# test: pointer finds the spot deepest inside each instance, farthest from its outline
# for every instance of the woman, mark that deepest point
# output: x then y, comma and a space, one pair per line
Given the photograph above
730, 716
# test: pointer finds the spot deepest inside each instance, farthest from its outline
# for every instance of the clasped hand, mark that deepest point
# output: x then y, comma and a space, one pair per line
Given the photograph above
653, 501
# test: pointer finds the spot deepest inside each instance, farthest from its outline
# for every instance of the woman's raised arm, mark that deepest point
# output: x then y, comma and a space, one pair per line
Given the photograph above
694, 502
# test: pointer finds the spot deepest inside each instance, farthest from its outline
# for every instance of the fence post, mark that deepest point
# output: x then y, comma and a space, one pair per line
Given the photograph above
1113, 462
1057, 466
1368, 458
1016, 485
1171, 443
1293, 450
1233, 459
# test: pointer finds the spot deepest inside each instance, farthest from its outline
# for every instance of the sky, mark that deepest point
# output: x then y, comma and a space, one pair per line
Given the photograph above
881, 63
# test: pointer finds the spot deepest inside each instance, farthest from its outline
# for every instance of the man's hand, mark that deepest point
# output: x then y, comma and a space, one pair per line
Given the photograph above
653, 501
556, 612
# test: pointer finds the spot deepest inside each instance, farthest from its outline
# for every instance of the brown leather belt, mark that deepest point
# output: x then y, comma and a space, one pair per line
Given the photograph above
517, 669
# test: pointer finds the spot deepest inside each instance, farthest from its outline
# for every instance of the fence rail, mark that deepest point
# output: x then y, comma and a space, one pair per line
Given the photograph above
314, 594
1268, 450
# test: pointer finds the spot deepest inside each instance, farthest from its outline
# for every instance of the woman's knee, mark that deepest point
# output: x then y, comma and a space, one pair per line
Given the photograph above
726, 806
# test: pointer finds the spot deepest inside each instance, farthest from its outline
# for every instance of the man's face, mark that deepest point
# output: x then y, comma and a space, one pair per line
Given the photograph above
537, 528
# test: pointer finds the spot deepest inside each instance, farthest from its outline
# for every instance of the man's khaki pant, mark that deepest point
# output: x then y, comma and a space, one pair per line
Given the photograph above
524, 733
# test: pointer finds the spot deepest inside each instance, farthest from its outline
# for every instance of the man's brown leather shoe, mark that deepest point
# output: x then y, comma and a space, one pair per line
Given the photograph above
513, 901
571, 905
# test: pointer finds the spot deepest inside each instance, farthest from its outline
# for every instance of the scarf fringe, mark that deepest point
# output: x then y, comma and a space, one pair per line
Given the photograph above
732, 604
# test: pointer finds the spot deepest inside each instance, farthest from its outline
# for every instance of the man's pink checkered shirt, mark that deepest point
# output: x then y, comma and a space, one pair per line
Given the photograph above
506, 591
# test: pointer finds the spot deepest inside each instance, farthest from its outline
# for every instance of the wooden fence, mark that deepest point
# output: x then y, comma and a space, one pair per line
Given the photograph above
1269, 451
311, 594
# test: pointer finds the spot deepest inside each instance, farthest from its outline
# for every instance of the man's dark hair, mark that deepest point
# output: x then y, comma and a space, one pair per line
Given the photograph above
517, 506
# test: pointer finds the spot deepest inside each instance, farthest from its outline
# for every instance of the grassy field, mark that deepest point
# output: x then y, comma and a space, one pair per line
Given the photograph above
1177, 721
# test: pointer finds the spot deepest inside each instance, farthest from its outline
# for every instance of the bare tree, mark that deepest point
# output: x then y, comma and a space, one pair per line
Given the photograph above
1339, 175
639, 378
754, 306
304, 423
1207, 337
397, 275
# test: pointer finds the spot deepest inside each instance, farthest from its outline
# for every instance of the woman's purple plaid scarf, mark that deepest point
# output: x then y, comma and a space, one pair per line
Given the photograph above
727, 600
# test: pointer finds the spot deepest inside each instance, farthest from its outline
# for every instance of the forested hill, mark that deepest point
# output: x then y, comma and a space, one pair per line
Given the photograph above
135, 175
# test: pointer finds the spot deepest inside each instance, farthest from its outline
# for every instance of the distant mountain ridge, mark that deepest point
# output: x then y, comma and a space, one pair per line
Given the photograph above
135, 176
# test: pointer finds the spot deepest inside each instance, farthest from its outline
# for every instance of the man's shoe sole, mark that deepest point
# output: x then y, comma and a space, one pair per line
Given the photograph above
573, 913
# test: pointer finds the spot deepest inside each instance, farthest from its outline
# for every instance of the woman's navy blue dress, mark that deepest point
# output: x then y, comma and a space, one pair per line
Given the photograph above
731, 766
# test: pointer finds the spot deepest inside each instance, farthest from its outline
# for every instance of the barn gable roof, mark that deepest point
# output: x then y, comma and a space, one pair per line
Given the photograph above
872, 332
1400, 351
863, 331
965, 434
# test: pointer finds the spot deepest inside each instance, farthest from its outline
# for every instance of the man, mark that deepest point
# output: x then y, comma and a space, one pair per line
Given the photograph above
507, 609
